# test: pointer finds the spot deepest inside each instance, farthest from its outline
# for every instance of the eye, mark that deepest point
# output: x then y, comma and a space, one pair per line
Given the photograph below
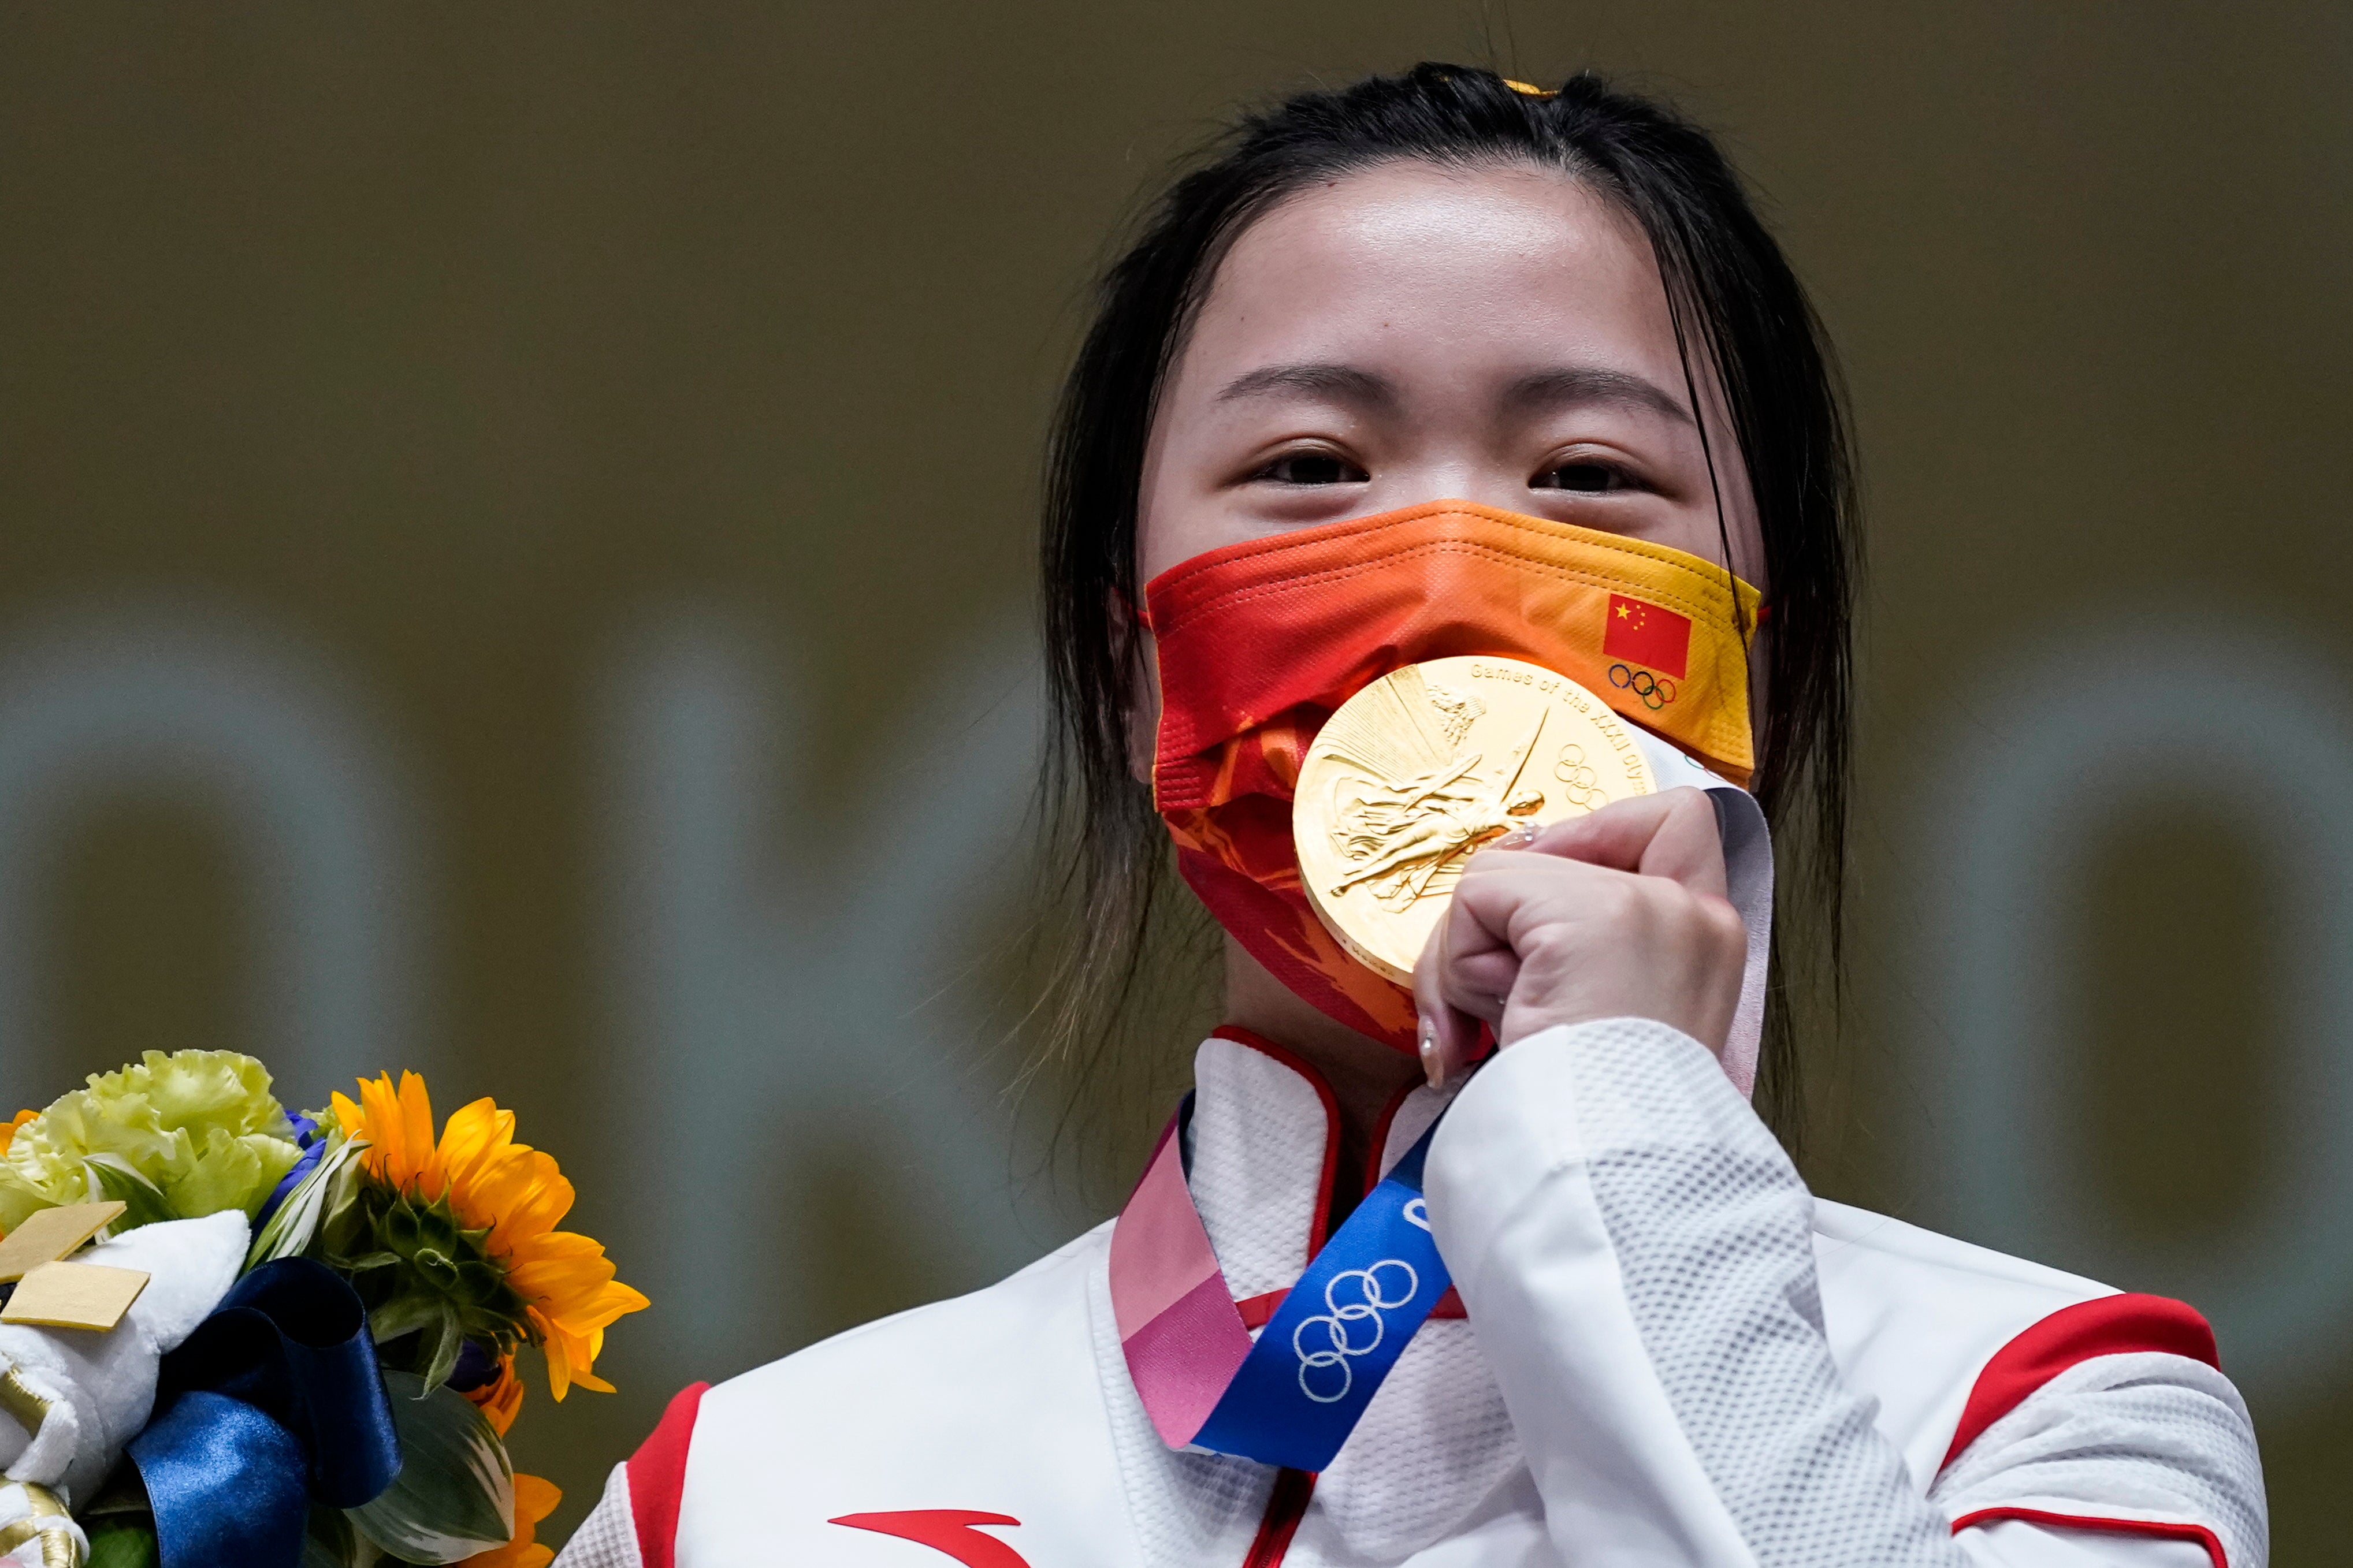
1312, 468
1585, 476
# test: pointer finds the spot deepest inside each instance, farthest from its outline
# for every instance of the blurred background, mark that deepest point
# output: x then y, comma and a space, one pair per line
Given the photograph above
518, 527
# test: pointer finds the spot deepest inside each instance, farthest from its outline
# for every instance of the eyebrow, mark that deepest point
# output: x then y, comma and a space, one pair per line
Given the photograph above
1571, 386
1563, 386
1341, 383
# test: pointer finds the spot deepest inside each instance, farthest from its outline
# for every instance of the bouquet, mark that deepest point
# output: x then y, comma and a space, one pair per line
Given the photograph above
236, 1335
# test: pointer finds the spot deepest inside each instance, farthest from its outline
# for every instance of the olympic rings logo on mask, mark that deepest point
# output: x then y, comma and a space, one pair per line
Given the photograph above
1655, 690
1340, 1337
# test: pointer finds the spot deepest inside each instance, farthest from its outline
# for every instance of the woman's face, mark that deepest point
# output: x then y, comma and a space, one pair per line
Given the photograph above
1408, 333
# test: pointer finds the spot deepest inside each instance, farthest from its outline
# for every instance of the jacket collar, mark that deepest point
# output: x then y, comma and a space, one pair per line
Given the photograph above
1262, 1155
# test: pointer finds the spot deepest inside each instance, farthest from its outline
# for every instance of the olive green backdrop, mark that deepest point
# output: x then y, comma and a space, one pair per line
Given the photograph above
517, 535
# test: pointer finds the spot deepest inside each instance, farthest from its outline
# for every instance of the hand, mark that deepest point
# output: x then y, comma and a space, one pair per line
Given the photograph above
1615, 914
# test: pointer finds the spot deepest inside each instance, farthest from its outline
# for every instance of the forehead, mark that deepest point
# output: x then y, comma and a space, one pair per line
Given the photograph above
1407, 259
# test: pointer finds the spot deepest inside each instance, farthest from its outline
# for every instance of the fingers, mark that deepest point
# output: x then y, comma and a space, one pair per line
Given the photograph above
1470, 965
1672, 834
1450, 1035
1569, 898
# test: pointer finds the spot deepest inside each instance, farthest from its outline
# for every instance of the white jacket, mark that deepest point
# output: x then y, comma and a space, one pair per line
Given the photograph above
1672, 1354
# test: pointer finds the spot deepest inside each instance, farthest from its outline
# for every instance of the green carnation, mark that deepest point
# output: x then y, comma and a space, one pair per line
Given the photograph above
200, 1127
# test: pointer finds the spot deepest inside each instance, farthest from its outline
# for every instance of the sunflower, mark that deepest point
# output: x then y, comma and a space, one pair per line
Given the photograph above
477, 1196
501, 1399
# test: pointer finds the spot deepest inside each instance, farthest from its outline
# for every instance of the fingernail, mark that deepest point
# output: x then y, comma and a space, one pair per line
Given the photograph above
1432, 1067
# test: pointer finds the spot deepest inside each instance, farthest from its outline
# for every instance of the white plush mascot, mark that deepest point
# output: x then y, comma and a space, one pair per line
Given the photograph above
74, 1398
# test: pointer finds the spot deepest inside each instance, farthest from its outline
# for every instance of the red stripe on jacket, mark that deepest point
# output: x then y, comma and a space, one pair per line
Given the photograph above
2110, 1325
2159, 1528
657, 1475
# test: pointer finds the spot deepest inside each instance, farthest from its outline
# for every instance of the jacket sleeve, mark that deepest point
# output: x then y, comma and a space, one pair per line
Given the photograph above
1635, 1250
607, 1538
635, 1523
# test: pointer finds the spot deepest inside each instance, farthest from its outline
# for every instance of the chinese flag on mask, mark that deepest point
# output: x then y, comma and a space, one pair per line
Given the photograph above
1646, 634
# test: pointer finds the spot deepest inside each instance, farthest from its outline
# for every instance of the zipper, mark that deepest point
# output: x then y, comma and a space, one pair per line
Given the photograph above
1285, 1506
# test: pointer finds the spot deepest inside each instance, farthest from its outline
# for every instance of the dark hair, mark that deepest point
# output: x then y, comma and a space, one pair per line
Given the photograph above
1728, 287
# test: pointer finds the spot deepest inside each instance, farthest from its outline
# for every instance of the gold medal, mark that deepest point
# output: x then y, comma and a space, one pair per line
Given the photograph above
1425, 765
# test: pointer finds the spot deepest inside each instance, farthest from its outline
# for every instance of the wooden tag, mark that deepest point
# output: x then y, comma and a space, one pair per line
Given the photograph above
48, 1234
74, 1296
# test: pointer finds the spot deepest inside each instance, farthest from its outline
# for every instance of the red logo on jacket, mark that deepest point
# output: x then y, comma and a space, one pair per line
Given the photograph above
948, 1530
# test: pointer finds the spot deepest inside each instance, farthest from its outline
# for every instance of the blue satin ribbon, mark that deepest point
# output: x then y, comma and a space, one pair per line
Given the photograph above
1324, 1354
314, 1147
276, 1401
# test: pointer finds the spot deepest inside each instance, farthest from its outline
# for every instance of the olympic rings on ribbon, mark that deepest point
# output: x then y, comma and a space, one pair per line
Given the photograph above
1341, 1343
1655, 690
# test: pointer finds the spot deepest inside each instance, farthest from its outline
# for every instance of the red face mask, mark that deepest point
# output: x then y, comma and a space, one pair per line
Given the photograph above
1259, 643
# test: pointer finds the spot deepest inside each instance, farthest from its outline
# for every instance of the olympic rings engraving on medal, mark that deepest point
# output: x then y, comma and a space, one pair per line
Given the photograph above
1584, 783
1654, 691
1340, 1337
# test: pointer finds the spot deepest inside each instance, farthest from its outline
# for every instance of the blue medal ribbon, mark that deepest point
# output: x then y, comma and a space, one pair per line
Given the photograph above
275, 1401
1321, 1357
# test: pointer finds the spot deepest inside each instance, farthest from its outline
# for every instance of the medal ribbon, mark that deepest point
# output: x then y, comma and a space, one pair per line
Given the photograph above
1293, 1396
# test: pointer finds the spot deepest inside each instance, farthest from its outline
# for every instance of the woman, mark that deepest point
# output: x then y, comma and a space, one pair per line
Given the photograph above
1443, 365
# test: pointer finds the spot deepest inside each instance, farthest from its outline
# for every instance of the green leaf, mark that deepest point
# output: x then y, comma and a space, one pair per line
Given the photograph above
330, 1542
122, 1541
455, 1494
346, 1216
367, 1260
290, 1231
443, 1340
118, 1183
411, 1312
